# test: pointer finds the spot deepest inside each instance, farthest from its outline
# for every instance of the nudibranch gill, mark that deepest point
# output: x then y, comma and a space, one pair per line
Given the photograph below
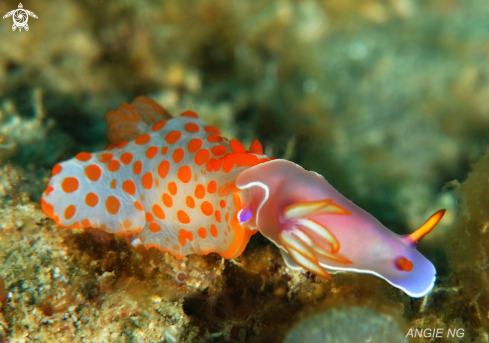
177, 185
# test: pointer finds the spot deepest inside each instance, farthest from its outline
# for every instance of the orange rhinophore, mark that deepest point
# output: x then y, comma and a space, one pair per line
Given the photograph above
177, 185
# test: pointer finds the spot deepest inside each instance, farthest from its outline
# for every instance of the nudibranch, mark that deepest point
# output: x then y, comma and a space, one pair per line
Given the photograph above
177, 185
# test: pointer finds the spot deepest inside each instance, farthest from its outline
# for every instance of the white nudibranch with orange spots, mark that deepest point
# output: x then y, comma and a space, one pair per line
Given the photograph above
177, 185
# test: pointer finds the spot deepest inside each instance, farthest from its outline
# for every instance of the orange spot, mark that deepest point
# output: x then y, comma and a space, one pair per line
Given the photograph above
110, 147
129, 186
151, 152
214, 138
91, 199
122, 144
163, 169
210, 164
105, 157
148, 180
138, 205
189, 114
158, 211
222, 203
126, 158
227, 218
201, 157
143, 139
218, 150
218, 216
114, 165
183, 235
404, 264
191, 127
167, 200
218, 164
212, 129
57, 169
173, 136
190, 202
164, 150
93, 172
229, 161
237, 146
172, 188
48, 190
149, 217
138, 167
159, 125
113, 183
178, 155
83, 156
199, 191
86, 223
256, 147
207, 208
157, 182
112, 205
248, 160
70, 212
202, 232
183, 217
184, 174
69, 185
194, 145
154, 227
211, 187
213, 230
126, 224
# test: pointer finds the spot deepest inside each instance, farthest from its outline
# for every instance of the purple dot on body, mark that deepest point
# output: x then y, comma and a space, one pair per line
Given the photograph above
245, 214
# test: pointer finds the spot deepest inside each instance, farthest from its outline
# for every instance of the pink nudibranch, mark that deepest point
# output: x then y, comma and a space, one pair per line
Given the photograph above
175, 184
318, 229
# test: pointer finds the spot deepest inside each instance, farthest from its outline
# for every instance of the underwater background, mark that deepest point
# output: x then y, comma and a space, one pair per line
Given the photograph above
387, 99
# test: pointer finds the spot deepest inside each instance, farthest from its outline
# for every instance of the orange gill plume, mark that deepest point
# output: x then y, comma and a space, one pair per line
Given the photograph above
306, 240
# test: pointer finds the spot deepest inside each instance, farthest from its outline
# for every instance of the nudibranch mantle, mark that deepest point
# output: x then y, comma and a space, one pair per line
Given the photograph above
177, 185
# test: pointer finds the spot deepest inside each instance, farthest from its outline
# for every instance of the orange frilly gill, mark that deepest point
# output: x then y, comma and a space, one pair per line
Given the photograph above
177, 185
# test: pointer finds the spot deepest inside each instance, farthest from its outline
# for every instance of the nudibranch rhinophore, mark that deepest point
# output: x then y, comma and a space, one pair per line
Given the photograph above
177, 185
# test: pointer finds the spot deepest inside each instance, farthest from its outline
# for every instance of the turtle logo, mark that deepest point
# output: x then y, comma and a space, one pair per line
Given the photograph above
20, 17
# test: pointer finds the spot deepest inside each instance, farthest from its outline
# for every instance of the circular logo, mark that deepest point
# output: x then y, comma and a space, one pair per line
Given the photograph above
20, 17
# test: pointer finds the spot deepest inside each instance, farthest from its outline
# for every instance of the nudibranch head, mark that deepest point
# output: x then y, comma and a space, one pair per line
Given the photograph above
319, 229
